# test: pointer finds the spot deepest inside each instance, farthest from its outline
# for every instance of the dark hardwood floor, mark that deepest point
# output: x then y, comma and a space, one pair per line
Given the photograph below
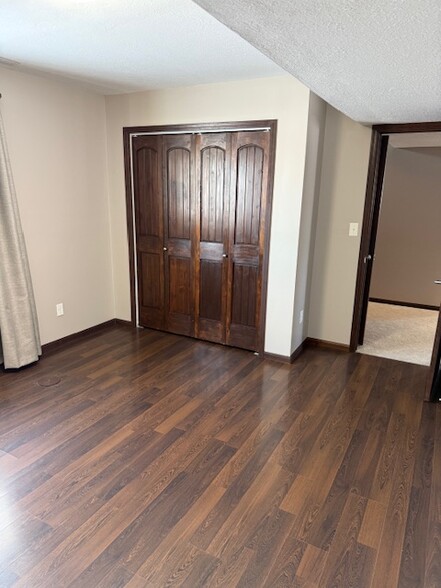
143, 459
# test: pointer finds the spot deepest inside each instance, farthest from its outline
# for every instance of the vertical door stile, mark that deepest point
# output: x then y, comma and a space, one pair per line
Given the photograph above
178, 179
165, 209
196, 183
228, 242
262, 231
149, 226
231, 232
213, 174
251, 160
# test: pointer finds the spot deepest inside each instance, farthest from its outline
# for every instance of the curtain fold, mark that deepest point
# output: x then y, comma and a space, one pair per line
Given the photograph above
19, 333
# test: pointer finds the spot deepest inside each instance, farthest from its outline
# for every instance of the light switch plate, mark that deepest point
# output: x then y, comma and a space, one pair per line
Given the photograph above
353, 229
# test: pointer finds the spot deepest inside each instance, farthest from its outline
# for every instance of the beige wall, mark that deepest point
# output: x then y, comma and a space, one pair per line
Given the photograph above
342, 194
57, 140
408, 248
57, 143
281, 98
311, 193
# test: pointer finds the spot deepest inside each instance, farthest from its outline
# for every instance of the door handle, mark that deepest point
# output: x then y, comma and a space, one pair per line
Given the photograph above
165, 249
367, 258
224, 255
437, 282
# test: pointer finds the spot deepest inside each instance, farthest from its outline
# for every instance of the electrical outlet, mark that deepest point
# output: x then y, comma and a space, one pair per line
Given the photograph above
353, 229
60, 309
301, 317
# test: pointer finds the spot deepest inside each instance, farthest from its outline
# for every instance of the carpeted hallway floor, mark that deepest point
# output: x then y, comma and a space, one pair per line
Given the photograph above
399, 332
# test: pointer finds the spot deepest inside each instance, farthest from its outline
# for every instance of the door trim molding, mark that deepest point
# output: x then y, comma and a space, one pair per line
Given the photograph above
379, 137
430, 395
251, 125
376, 168
407, 304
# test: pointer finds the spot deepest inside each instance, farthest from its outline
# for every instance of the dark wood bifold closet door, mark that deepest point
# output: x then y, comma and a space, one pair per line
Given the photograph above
147, 187
213, 171
248, 207
201, 210
179, 233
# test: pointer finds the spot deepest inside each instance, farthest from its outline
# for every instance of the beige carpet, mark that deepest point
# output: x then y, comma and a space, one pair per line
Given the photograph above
400, 332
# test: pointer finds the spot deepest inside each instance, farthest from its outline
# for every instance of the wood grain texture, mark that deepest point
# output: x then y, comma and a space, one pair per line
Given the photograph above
178, 236
147, 202
198, 217
249, 203
158, 460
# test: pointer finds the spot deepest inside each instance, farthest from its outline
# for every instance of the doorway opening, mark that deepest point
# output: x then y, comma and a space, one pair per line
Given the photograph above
396, 307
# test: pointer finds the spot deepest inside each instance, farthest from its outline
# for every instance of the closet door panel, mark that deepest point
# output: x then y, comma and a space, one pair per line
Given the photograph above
179, 239
248, 201
244, 295
150, 269
178, 191
213, 163
211, 291
213, 159
147, 191
248, 194
180, 286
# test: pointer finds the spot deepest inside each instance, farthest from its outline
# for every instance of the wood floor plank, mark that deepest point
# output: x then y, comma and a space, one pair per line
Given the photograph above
312, 564
248, 449
419, 518
391, 546
14, 538
323, 528
297, 495
385, 466
142, 459
283, 570
230, 570
178, 415
236, 490
133, 546
195, 569
76, 472
371, 529
266, 543
266, 492
114, 516
350, 563
118, 577
432, 571
170, 548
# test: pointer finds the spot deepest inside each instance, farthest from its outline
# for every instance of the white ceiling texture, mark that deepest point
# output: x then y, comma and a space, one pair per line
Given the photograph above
119, 46
375, 60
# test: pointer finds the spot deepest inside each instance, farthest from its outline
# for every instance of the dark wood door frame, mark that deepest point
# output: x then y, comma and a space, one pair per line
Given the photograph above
431, 393
374, 186
129, 132
370, 227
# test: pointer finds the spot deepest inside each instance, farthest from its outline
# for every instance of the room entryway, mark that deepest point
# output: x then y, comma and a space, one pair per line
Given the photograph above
397, 303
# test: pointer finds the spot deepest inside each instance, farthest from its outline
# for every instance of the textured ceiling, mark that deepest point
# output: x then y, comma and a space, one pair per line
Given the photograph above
126, 45
376, 61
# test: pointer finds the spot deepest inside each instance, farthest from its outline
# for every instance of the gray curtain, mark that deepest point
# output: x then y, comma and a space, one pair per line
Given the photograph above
19, 334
